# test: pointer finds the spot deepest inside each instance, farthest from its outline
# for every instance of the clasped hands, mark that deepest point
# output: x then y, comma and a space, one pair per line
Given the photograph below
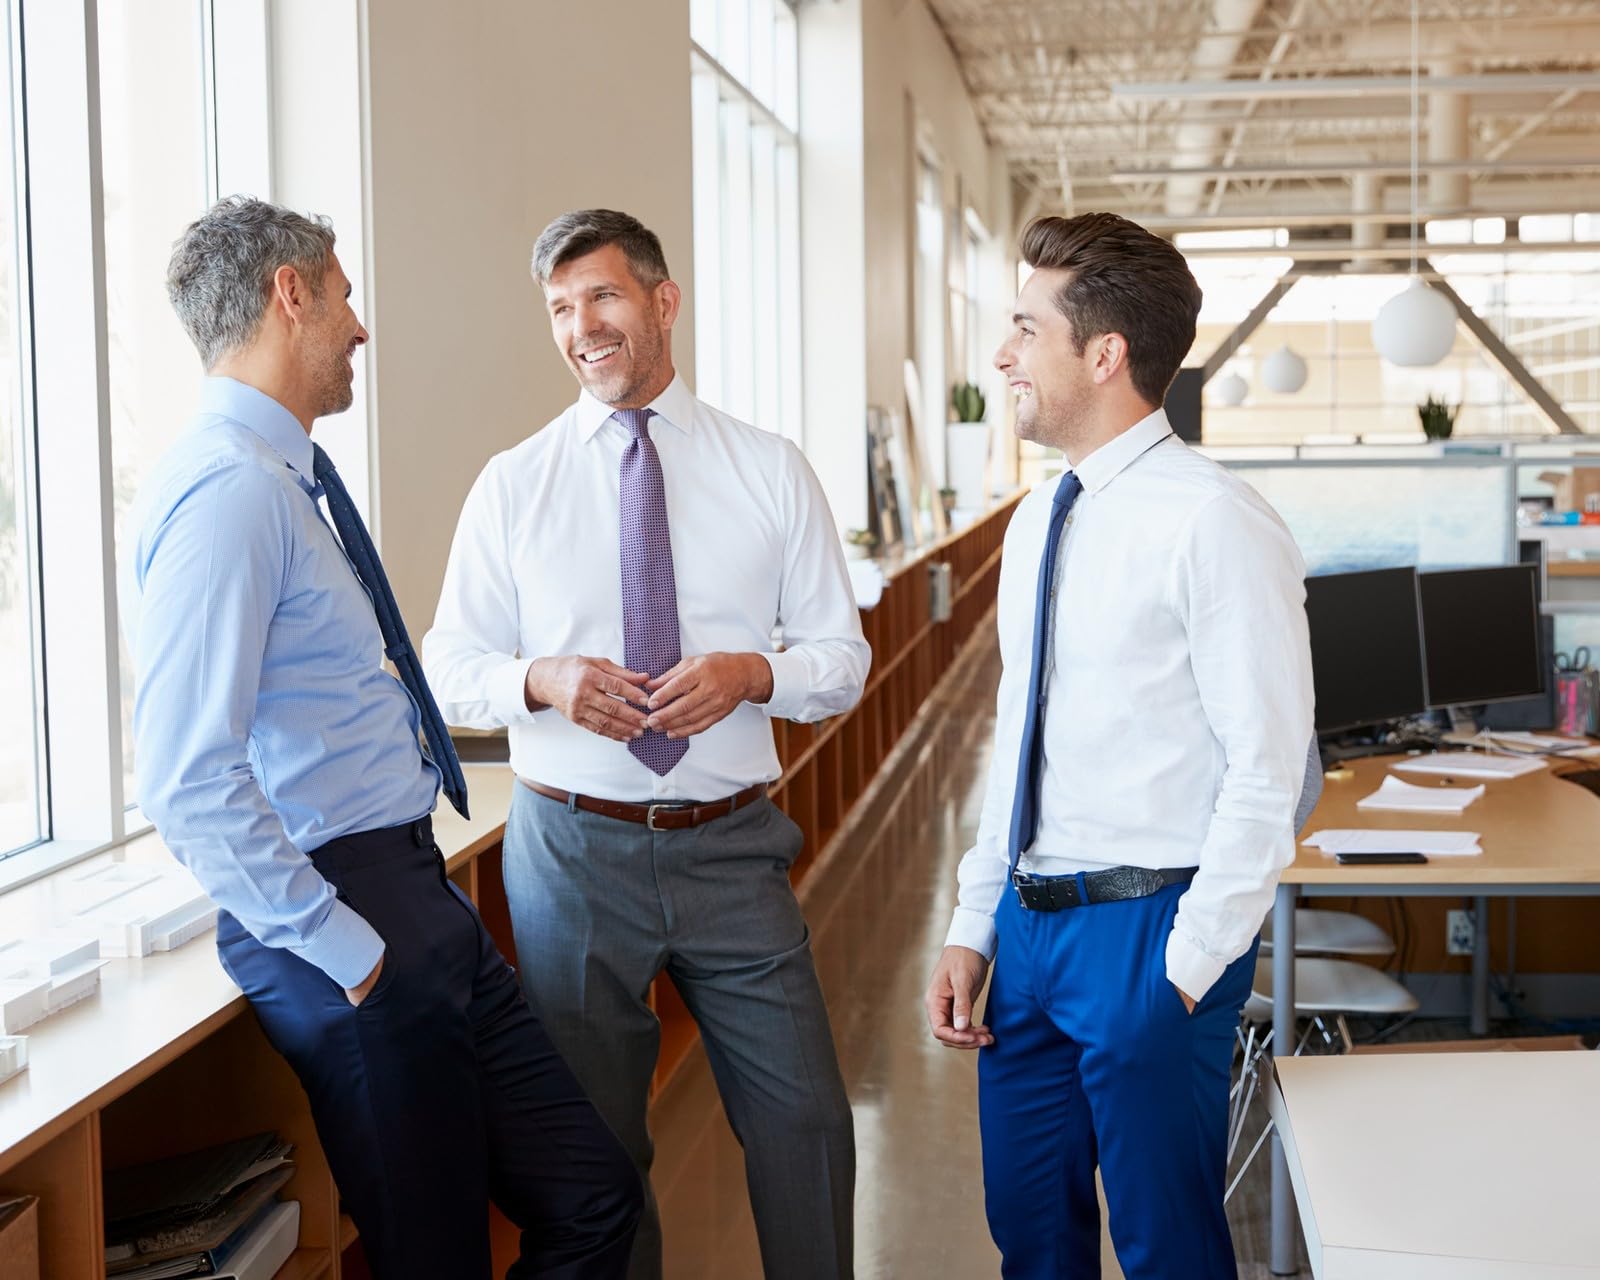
604, 698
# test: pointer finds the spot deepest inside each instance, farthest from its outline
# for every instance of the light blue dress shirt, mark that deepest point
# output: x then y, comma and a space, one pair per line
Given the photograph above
265, 725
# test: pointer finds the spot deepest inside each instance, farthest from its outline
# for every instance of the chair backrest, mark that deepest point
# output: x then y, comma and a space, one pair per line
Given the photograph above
1310, 789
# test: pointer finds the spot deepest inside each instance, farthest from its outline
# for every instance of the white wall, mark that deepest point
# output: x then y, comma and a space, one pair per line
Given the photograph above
914, 91
442, 138
484, 121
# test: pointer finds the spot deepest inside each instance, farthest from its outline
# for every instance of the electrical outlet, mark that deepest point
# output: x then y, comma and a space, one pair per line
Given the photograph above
1460, 932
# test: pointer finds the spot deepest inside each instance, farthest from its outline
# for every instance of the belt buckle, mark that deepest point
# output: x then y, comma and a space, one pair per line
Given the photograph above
650, 817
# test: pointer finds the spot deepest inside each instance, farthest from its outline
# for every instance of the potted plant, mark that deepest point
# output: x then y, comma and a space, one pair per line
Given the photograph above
968, 402
947, 496
1438, 418
859, 544
967, 445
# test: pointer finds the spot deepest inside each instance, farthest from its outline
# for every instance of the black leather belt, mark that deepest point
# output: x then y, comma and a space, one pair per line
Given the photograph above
662, 816
1115, 884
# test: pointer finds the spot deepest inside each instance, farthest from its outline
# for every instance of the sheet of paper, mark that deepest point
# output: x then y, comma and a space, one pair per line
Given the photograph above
1398, 794
1443, 844
1471, 764
1543, 742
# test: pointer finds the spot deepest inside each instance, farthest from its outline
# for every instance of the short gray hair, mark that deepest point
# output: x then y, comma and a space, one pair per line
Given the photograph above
222, 267
581, 232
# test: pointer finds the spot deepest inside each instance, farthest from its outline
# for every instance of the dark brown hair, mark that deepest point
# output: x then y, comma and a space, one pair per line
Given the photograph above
1122, 280
581, 232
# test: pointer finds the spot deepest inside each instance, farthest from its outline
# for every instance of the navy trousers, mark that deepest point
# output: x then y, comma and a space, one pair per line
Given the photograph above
442, 1091
1095, 1062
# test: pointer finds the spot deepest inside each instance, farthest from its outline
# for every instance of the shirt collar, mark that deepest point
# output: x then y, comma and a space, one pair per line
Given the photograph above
674, 406
241, 403
1114, 457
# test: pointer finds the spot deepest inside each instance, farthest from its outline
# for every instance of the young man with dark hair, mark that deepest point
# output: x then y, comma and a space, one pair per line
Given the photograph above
1150, 749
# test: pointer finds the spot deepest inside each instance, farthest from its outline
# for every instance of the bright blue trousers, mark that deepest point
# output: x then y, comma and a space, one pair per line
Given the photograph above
1095, 1062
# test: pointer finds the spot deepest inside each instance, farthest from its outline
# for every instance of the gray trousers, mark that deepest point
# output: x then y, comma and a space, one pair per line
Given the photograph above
599, 908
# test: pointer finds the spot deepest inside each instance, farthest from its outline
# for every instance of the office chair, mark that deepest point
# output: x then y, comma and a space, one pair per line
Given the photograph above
1324, 989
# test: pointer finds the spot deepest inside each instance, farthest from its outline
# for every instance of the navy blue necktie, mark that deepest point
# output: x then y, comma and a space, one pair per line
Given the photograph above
396, 643
1030, 760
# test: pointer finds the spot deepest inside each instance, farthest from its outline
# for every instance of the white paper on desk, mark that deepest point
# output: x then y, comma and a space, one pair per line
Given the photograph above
1543, 742
1471, 764
1443, 844
1407, 796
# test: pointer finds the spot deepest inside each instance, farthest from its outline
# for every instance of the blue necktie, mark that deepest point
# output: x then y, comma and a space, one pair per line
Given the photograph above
1030, 760
396, 643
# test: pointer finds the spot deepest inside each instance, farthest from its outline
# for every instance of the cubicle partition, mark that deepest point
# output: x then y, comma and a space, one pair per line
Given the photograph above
1443, 506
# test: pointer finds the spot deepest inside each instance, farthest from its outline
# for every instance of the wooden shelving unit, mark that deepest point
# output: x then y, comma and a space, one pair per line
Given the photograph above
165, 1059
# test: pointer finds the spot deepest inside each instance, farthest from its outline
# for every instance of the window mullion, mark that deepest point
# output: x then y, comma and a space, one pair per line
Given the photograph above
66, 254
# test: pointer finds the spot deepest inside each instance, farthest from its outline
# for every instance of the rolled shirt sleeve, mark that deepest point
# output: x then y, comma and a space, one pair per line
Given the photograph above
823, 668
1239, 587
209, 576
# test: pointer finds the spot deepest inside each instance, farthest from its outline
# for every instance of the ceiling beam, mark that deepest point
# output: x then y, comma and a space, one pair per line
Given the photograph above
1355, 86
1392, 250
1335, 169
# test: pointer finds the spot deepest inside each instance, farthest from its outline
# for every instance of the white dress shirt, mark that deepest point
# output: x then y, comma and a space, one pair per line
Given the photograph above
1179, 704
535, 572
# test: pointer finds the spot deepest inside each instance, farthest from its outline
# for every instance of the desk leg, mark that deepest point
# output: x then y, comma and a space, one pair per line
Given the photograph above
1284, 1260
1480, 966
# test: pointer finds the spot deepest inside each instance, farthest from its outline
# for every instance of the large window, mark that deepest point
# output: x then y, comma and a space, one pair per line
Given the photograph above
745, 77
22, 817
930, 291
155, 180
96, 375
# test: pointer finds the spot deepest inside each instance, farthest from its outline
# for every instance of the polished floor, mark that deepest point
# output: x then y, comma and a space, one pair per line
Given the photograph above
879, 916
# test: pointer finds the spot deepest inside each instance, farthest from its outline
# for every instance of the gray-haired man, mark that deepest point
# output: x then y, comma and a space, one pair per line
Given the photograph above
611, 596
282, 765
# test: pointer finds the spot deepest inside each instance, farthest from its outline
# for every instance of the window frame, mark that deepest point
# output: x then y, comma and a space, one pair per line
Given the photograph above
61, 293
730, 370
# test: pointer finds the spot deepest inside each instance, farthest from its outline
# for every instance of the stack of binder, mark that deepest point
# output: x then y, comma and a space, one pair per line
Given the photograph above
211, 1213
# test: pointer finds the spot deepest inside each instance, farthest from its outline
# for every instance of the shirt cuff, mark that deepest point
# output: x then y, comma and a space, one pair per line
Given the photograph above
508, 696
790, 683
1190, 969
973, 930
346, 948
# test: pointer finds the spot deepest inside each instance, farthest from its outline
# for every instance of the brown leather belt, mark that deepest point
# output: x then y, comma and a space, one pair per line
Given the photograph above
658, 817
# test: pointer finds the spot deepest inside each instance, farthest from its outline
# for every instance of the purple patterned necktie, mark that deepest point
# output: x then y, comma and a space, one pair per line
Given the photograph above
650, 640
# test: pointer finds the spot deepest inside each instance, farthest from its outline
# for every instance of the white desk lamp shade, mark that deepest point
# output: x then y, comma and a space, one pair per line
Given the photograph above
1415, 328
1232, 389
1283, 371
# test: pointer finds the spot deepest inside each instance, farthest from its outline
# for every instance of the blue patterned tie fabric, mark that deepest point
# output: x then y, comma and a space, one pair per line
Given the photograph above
1030, 761
364, 560
650, 639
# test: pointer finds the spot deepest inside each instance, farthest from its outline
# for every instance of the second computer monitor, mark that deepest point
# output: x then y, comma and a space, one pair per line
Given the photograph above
1366, 647
1481, 633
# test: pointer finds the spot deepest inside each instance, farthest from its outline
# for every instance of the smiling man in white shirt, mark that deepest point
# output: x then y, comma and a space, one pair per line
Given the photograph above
1150, 747
611, 596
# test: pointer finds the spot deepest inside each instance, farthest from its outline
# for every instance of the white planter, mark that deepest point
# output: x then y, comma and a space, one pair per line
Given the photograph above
967, 462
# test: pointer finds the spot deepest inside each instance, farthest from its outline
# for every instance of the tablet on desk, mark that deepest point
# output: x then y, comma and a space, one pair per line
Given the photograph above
1377, 857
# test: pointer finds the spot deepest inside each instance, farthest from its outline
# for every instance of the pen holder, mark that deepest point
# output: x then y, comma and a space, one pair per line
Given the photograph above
1577, 700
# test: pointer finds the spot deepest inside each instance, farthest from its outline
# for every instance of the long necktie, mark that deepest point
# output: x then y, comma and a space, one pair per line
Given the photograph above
650, 639
396, 643
1030, 760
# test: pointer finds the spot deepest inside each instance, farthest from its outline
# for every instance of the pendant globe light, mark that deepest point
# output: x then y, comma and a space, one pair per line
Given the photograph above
1416, 327
1283, 371
1232, 389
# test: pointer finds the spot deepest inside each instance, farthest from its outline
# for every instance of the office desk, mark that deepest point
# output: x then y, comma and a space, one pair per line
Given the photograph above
1540, 837
1466, 1166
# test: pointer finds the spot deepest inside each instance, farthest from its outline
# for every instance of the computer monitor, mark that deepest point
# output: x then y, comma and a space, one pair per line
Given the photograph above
1481, 635
1366, 647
